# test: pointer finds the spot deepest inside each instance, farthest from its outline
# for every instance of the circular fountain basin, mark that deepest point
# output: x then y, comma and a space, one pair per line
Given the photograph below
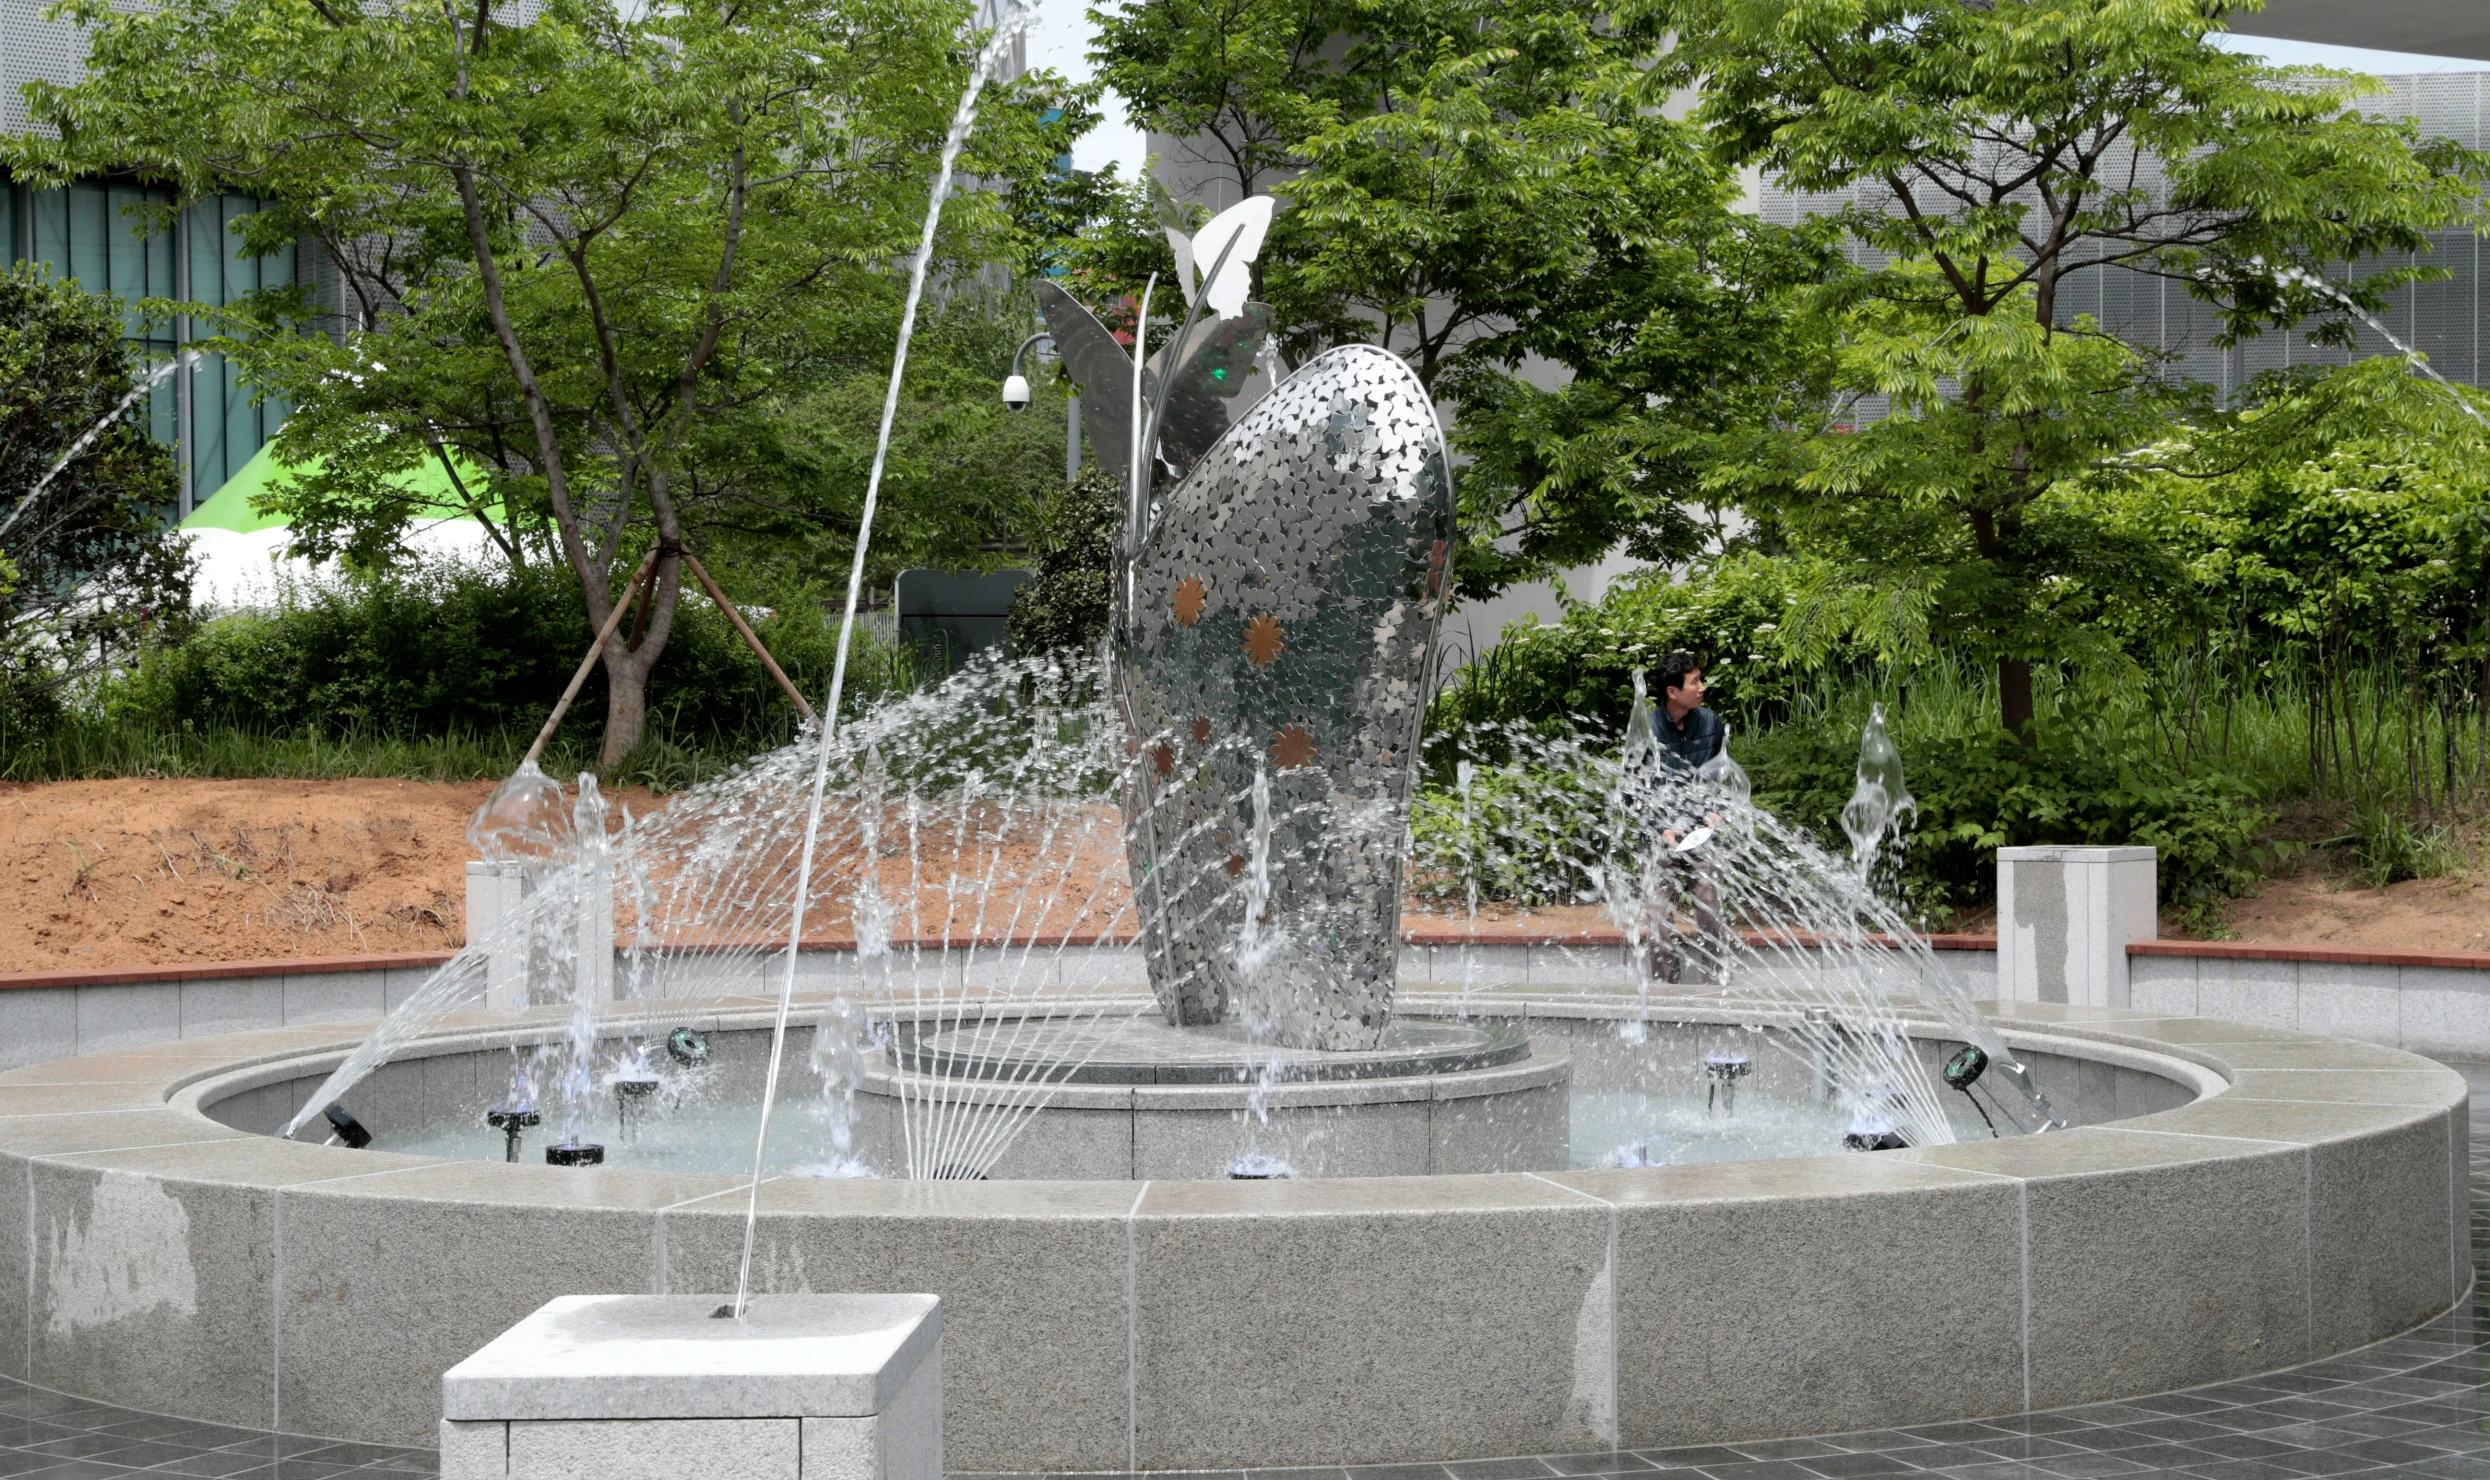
2233, 1199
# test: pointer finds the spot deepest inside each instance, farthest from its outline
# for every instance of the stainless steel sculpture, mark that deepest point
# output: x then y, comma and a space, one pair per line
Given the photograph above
1277, 612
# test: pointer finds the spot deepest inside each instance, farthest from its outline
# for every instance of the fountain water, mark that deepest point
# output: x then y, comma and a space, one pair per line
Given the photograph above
86, 439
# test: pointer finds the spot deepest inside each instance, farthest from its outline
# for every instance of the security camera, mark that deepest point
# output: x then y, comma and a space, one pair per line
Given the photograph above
1016, 393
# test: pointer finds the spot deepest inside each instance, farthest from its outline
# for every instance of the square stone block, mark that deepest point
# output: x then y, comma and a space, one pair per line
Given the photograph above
2379, 1208
2445, 1011
656, 1449
231, 1004
1730, 1320
390, 1279
1032, 1279
2245, 991
1366, 1350
36, 1024
2117, 1221
333, 996
128, 1015
2162, 983
2352, 1001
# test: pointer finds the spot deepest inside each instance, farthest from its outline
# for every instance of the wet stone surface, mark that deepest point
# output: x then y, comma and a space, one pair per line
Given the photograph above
2417, 1405
1148, 1051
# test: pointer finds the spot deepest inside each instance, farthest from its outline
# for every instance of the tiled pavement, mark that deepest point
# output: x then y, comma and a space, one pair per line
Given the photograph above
2418, 1405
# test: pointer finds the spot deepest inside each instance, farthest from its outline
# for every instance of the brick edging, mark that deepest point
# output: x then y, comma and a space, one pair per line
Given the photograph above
111, 976
2241, 951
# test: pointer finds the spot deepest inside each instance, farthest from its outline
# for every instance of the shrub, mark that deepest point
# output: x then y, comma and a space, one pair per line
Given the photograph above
1581, 669
1065, 605
457, 649
2081, 784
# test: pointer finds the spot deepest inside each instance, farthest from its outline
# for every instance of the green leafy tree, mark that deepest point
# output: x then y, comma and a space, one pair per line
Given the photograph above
583, 247
87, 567
2006, 151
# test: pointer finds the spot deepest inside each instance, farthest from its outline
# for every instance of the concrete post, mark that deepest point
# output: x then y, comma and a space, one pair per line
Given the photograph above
495, 892
2065, 917
656, 1387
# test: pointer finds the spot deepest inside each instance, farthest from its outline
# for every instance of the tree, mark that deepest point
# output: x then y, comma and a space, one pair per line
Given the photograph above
2010, 147
582, 250
1489, 189
87, 567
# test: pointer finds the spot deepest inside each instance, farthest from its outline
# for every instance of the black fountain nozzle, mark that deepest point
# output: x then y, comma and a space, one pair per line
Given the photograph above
628, 1093
575, 1154
349, 1131
1256, 1166
510, 1120
688, 1047
1873, 1140
1722, 1071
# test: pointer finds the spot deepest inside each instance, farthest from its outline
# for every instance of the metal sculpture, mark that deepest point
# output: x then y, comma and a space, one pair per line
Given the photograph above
1283, 580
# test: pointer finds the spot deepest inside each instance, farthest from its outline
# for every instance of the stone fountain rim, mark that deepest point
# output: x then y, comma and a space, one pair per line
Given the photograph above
2192, 1061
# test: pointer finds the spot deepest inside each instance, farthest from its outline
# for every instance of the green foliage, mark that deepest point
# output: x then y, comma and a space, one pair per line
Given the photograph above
2086, 781
1065, 605
1732, 614
1529, 837
436, 653
87, 569
591, 251
1986, 133
2388, 847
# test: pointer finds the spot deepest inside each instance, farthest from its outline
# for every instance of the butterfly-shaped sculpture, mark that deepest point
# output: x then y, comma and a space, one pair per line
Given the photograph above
1276, 619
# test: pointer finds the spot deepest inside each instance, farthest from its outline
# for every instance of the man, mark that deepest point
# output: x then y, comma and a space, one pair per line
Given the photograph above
1685, 736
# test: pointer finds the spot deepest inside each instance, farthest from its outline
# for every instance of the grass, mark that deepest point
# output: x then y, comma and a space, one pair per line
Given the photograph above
83, 749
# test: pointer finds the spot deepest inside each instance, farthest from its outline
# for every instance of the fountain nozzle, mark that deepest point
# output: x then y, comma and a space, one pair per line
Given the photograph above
510, 1120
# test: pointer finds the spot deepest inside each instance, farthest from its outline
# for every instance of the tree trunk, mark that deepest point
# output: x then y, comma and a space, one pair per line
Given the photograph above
626, 708
632, 656
2014, 698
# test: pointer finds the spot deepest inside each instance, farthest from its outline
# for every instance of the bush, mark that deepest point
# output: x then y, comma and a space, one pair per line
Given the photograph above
451, 650
2389, 849
1581, 670
2083, 784
1065, 605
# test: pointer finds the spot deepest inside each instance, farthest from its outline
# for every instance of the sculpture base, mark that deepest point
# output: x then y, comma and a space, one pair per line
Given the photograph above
1142, 1100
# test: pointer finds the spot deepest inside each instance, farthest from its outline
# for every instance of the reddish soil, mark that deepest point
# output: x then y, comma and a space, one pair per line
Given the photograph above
142, 873
2315, 909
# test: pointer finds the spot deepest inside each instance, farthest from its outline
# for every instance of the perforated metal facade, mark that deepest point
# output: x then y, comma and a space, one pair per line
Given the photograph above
86, 231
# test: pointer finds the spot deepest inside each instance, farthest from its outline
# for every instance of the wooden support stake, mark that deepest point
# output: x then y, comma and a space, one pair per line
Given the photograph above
749, 636
622, 608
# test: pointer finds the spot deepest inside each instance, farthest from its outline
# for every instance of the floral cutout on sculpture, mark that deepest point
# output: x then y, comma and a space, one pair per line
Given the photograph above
1192, 599
1262, 641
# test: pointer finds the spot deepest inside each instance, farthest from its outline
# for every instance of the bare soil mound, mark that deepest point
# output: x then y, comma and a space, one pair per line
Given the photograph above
147, 873
143, 873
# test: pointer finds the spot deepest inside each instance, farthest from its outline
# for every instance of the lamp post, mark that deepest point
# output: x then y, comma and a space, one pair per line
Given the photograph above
1016, 397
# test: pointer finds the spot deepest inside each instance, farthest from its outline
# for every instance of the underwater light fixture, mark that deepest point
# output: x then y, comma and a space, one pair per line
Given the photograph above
1963, 1071
349, 1131
575, 1154
1259, 1166
688, 1047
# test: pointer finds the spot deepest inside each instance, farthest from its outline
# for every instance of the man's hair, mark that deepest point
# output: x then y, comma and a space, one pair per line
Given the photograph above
1674, 668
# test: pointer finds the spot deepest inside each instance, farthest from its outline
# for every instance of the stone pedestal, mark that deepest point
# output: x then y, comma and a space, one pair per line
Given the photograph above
495, 892
2065, 917
656, 1387
514, 968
